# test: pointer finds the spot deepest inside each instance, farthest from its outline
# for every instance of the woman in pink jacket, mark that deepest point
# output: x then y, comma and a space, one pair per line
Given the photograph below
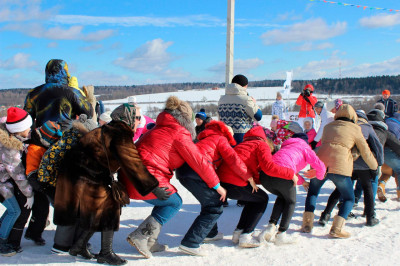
296, 154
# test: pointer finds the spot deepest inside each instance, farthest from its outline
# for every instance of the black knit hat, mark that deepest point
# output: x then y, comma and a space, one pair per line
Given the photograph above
241, 80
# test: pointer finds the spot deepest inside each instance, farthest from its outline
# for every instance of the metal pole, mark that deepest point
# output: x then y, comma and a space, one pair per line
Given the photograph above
230, 25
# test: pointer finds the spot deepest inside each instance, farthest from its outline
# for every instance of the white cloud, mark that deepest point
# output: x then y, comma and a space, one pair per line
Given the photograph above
381, 20
18, 61
58, 33
52, 45
289, 16
18, 80
20, 45
92, 47
104, 78
151, 57
387, 67
239, 65
309, 46
18, 11
310, 30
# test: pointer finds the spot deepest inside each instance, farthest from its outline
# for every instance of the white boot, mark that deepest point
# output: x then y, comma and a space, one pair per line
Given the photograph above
236, 234
140, 237
281, 238
219, 236
192, 251
248, 241
268, 233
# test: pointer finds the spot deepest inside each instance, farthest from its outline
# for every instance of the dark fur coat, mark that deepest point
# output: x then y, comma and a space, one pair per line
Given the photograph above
83, 186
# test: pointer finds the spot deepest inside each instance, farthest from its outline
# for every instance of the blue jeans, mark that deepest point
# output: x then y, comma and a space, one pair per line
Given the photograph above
342, 183
9, 217
393, 161
164, 210
358, 190
205, 225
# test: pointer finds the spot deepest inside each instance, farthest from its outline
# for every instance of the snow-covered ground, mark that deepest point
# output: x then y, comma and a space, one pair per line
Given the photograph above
367, 246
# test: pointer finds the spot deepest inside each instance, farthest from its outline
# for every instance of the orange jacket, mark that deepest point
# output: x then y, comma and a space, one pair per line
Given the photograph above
33, 158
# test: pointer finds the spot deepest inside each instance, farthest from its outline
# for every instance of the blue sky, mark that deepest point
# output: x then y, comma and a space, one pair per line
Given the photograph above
161, 41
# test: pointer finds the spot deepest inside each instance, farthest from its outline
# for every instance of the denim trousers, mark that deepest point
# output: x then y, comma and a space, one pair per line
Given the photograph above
9, 217
344, 186
393, 161
164, 210
205, 225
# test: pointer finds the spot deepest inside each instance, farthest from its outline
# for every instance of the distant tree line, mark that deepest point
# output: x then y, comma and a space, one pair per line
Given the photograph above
361, 86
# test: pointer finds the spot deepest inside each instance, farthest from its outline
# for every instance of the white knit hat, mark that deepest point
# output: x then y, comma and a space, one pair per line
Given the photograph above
18, 120
106, 116
131, 99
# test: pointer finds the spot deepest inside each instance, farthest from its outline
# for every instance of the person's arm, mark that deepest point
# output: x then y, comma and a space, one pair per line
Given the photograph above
252, 109
376, 147
29, 106
299, 100
313, 160
393, 143
395, 107
230, 156
364, 149
80, 104
268, 166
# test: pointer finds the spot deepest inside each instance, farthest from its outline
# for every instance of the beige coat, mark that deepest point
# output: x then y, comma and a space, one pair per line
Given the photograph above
338, 138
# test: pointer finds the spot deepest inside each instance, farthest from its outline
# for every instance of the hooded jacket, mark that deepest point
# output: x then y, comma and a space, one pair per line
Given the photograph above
372, 140
393, 124
256, 154
326, 118
55, 100
338, 139
390, 106
167, 147
237, 109
306, 107
296, 154
11, 149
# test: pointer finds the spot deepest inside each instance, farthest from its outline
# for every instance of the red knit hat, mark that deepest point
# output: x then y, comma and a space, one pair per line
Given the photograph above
18, 120
309, 86
386, 92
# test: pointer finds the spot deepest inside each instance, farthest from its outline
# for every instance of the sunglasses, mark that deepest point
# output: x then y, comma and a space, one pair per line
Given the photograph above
138, 117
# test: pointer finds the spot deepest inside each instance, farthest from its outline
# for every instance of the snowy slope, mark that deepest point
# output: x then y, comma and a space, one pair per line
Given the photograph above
367, 246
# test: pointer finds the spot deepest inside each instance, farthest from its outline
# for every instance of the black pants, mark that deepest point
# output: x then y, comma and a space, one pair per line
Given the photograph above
364, 176
285, 202
40, 211
254, 205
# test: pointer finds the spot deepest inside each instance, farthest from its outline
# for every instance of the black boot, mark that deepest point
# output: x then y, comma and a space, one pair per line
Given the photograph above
107, 254
80, 246
324, 219
372, 221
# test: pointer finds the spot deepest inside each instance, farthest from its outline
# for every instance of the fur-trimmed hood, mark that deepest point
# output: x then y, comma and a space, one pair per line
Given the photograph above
217, 128
9, 141
182, 120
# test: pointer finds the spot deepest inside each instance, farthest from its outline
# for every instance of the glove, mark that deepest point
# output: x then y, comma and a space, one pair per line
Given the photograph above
313, 144
29, 203
377, 172
162, 193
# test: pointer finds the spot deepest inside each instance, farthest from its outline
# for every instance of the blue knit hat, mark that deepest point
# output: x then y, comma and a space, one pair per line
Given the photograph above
202, 114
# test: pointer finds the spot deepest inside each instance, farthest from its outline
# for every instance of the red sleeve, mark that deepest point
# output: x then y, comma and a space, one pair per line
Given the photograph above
268, 166
230, 156
299, 100
313, 100
195, 159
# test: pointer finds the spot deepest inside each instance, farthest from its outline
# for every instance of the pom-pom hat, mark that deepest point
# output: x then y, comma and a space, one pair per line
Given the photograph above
18, 120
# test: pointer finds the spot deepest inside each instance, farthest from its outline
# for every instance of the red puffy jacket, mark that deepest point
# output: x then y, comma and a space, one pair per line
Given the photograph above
166, 147
256, 154
215, 143
306, 109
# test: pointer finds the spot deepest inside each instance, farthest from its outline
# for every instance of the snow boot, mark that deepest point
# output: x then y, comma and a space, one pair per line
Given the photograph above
372, 221
267, 233
192, 251
219, 236
337, 228
80, 246
107, 254
308, 222
152, 243
324, 219
381, 191
281, 238
5, 249
248, 241
236, 235
140, 237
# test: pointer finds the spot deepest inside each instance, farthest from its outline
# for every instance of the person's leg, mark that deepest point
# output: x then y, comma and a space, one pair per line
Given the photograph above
272, 184
289, 195
369, 204
332, 201
345, 187
312, 194
63, 238
40, 212
374, 184
358, 192
164, 210
13, 212
15, 236
205, 225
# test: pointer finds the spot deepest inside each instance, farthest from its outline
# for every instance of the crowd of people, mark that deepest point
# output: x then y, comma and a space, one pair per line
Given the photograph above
60, 150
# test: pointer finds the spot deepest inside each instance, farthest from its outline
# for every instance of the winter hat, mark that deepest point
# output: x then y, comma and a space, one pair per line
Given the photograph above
268, 133
241, 80
278, 95
73, 82
376, 115
302, 136
18, 120
338, 103
294, 127
309, 119
126, 113
131, 99
386, 92
379, 106
202, 114
174, 103
319, 104
49, 133
309, 86
88, 123
106, 116
361, 114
